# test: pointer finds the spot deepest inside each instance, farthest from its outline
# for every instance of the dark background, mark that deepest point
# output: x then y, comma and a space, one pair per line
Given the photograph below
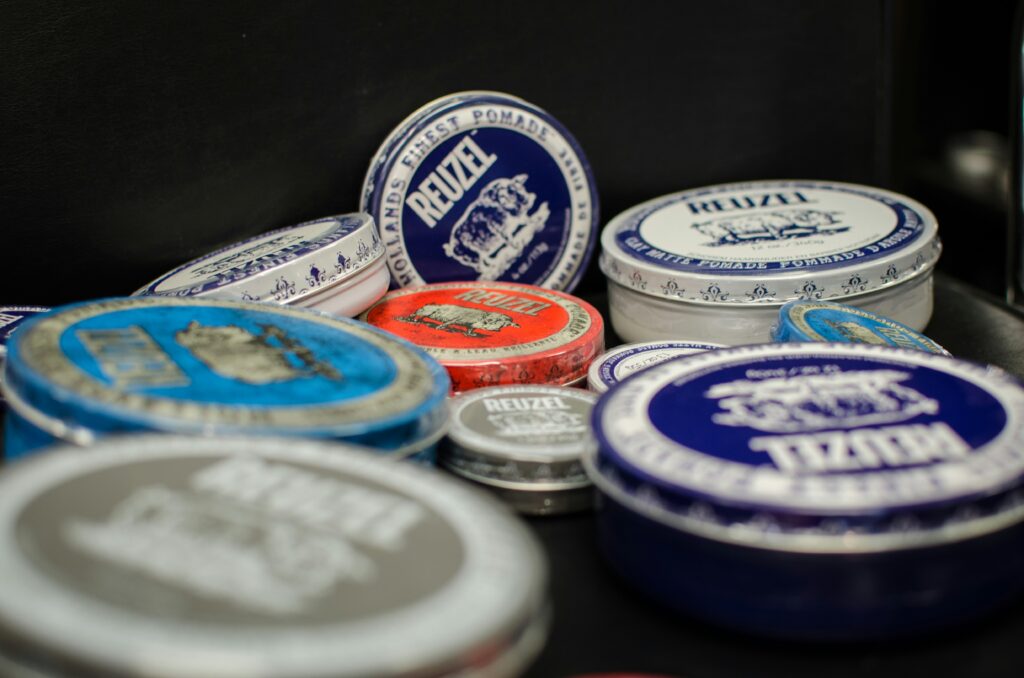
134, 136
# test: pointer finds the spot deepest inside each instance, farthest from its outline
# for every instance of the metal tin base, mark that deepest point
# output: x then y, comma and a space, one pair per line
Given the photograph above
641, 317
833, 597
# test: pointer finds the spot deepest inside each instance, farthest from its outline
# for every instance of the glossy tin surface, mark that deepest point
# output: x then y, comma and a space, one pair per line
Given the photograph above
172, 556
488, 334
217, 367
483, 186
620, 362
524, 443
720, 260
333, 264
828, 322
864, 485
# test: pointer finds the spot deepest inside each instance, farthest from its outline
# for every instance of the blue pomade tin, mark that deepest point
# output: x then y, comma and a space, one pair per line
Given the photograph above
483, 186
821, 491
829, 322
212, 367
613, 366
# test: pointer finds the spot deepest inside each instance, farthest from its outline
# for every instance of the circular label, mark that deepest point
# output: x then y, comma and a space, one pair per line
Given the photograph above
249, 556
227, 363
478, 321
548, 423
819, 428
750, 229
621, 362
823, 321
489, 188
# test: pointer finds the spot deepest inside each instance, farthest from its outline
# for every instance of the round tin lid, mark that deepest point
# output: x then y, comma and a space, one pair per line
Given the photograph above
615, 365
218, 366
282, 266
825, 321
483, 186
767, 242
529, 436
169, 556
11, 317
817, 445
495, 333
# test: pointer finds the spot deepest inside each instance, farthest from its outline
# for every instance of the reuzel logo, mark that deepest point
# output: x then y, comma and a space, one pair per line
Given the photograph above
448, 183
506, 302
131, 358
525, 403
749, 201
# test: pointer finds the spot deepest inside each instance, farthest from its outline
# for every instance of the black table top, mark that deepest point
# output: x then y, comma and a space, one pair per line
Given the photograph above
601, 625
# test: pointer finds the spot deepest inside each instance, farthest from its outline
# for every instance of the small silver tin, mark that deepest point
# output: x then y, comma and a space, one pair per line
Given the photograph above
525, 444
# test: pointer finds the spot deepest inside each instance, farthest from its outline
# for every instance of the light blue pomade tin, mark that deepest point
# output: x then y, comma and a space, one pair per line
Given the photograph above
211, 367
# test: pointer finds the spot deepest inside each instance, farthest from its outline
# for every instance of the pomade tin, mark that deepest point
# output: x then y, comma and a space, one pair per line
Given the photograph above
715, 264
618, 363
11, 317
483, 186
492, 333
525, 444
163, 556
184, 365
334, 264
829, 322
828, 491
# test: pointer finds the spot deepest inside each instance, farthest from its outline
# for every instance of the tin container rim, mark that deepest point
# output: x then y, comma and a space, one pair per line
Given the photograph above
814, 542
209, 288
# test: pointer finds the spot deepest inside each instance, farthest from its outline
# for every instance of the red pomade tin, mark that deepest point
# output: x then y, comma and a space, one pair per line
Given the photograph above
491, 333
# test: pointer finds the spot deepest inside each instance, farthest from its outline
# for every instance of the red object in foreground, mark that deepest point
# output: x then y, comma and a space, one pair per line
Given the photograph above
490, 333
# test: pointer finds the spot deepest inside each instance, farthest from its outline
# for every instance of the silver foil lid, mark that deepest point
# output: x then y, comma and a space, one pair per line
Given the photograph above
526, 441
167, 556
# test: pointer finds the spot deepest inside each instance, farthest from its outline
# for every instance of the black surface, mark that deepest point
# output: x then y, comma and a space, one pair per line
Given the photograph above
602, 625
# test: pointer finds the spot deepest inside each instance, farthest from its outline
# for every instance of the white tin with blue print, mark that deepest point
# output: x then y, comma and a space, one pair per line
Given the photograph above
715, 264
334, 264
183, 365
620, 362
483, 186
830, 491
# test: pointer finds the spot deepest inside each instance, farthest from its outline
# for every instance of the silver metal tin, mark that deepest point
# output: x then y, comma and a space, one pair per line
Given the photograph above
524, 443
613, 366
715, 264
165, 556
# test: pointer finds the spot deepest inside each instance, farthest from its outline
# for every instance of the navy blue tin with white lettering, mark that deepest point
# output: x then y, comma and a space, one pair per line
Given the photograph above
819, 491
483, 186
11, 317
182, 365
825, 321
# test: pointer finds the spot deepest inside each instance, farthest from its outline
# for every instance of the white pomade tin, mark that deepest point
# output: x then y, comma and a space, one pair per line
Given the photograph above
613, 366
335, 264
163, 556
525, 444
715, 264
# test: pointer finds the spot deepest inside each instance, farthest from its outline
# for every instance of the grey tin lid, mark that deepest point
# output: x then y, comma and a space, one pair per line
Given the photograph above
171, 556
526, 443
